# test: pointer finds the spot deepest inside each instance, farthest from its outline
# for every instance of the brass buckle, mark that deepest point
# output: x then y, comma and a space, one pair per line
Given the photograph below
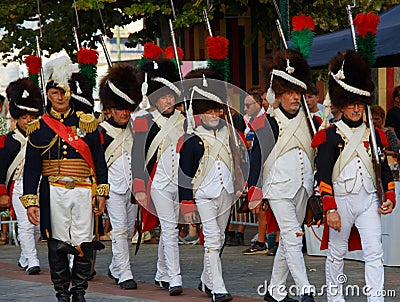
70, 185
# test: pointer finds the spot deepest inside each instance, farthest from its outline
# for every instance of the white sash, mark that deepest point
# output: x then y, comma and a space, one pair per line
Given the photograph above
122, 141
353, 148
214, 147
293, 135
167, 131
19, 160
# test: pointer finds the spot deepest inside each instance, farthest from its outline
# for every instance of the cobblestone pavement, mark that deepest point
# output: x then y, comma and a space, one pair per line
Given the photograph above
244, 275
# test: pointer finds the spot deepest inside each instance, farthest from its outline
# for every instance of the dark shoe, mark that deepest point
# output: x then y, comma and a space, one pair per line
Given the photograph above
79, 297
112, 277
256, 249
221, 297
231, 239
161, 284
128, 284
269, 298
175, 290
272, 251
203, 288
63, 299
91, 276
20, 266
34, 270
307, 298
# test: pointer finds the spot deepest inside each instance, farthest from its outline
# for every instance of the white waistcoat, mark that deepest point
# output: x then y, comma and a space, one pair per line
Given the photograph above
353, 166
219, 173
288, 167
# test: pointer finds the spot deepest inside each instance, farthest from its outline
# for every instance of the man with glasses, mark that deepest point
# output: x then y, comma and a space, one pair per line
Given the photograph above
119, 92
346, 178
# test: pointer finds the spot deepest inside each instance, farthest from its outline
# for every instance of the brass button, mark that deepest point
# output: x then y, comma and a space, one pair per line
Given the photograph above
64, 146
65, 152
62, 120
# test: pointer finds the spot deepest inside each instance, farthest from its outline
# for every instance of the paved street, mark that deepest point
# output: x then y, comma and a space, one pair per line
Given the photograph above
243, 275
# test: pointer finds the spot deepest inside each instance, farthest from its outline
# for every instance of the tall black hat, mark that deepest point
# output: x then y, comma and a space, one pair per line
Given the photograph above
350, 80
158, 77
286, 70
119, 88
82, 92
25, 98
206, 88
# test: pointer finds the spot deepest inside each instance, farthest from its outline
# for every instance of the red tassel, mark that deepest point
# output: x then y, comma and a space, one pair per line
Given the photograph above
217, 47
88, 56
170, 54
366, 23
301, 22
151, 50
34, 64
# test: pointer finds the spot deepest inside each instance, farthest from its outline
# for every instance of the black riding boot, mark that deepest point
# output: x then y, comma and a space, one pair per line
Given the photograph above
59, 270
81, 272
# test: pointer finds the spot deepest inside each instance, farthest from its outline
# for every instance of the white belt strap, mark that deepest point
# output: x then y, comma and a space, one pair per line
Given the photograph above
121, 139
353, 148
19, 159
167, 129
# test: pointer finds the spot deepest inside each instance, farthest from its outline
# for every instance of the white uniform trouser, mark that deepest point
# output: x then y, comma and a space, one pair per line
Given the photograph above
214, 214
289, 214
71, 214
167, 207
360, 210
122, 215
28, 233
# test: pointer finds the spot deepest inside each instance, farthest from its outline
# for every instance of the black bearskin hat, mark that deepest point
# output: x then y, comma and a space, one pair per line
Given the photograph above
350, 69
25, 98
82, 92
119, 88
210, 81
164, 69
285, 60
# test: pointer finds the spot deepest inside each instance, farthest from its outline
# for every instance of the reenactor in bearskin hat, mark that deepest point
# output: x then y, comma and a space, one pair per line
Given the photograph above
26, 105
82, 93
65, 155
206, 181
119, 93
281, 168
346, 177
155, 157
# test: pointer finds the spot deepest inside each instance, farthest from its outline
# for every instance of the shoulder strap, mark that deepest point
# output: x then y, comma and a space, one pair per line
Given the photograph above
20, 156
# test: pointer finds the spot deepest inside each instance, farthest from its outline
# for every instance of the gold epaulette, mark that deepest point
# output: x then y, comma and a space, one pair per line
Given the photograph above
87, 122
33, 126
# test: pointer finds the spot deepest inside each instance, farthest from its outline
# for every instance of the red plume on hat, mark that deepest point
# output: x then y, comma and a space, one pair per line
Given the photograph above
87, 60
34, 64
366, 26
302, 34
170, 54
217, 48
151, 51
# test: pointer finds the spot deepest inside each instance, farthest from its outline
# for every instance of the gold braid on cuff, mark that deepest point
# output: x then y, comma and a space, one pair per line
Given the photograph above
29, 200
103, 190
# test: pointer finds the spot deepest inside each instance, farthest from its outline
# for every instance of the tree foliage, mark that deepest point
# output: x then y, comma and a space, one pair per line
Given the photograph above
58, 18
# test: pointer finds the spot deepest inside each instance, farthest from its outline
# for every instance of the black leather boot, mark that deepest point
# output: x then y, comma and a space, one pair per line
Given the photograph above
59, 270
81, 272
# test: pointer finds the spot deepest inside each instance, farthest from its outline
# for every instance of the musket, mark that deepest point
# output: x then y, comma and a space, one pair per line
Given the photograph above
101, 37
39, 53
376, 152
174, 45
75, 29
310, 124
